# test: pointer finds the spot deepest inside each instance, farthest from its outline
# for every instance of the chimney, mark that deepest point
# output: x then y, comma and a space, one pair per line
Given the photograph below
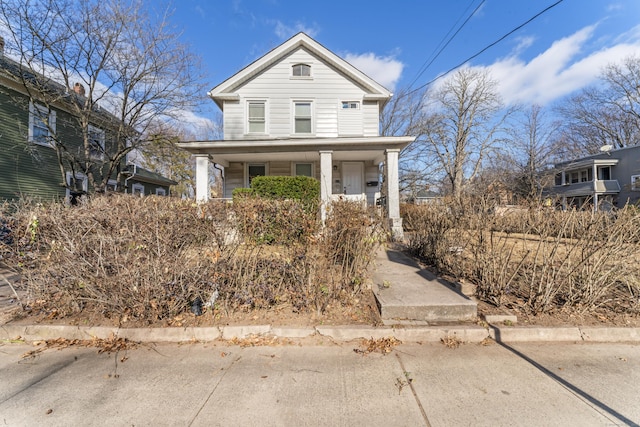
79, 89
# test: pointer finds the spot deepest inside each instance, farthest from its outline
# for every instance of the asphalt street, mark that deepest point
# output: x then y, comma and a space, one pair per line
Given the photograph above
216, 384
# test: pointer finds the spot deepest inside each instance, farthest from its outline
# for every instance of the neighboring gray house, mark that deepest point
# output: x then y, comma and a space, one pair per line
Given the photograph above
599, 182
302, 110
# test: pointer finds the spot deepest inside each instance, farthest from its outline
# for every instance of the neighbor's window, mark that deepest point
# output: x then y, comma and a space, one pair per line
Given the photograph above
301, 70
257, 116
137, 190
77, 183
302, 120
350, 105
635, 182
160, 191
42, 125
604, 173
254, 170
304, 169
96, 142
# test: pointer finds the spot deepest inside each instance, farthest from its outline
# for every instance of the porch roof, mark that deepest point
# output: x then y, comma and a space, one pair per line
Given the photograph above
297, 149
586, 163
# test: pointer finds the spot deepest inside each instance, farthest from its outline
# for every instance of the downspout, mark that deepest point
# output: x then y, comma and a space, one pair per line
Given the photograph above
126, 186
216, 166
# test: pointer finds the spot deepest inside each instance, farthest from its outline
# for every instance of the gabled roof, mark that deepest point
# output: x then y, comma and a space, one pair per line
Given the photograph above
226, 89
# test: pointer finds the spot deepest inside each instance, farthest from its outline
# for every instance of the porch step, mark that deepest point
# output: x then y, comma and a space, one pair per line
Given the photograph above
407, 294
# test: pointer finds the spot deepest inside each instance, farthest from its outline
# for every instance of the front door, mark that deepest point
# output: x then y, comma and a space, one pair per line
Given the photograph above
352, 177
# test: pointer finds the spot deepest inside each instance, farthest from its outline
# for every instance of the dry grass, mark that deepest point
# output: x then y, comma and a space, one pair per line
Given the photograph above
541, 260
144, 260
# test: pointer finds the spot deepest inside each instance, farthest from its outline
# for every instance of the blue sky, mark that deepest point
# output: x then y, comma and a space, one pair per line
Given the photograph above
561, 51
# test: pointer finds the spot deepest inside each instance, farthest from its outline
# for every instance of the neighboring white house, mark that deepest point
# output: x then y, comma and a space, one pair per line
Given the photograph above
302, 110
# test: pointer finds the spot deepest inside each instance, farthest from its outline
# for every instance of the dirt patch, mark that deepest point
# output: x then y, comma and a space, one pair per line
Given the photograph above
362, 311
602, 317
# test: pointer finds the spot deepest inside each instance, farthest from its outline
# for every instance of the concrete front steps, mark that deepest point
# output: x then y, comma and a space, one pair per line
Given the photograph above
407, 294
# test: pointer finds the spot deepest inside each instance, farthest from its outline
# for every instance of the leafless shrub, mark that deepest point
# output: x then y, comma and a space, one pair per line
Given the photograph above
152, 259
540, 259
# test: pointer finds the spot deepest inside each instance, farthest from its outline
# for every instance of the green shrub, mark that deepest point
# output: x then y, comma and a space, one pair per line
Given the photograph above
239, 193
302, 188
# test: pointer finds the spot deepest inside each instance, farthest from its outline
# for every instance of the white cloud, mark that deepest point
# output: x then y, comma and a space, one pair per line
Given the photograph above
560, 70
284, 31
385, 70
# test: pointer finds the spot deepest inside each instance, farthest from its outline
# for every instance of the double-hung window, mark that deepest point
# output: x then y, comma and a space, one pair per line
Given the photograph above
256, 113
302, 117
42, 125
96, 143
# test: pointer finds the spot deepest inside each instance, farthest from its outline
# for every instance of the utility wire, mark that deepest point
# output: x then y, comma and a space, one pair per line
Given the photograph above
486, 47
424, 66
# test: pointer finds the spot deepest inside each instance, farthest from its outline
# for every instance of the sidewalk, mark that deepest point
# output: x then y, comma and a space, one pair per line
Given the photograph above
329, 385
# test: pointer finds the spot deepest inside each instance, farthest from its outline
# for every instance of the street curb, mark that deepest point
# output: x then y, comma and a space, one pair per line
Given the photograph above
463, 333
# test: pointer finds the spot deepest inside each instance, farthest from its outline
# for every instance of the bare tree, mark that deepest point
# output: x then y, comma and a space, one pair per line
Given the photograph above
605, 114
531, 145
462, 117
111, 65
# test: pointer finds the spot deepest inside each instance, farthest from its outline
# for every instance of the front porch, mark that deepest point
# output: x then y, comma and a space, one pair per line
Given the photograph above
358, 168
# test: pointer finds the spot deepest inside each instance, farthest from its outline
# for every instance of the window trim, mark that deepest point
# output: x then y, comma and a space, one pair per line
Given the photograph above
79, 176
137, 186
635, 182
302, 77
41, 108
294, 171
350, 105
247, 180
161, 192
294, 103
94, 154
265, 103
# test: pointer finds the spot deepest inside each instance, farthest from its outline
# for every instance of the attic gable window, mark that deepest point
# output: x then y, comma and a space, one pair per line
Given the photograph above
301, 70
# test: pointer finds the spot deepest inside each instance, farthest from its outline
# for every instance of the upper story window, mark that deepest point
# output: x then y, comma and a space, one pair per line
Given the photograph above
604, 173
42, 125
350, 105
257, 120
96, 143
302, 117
301, 70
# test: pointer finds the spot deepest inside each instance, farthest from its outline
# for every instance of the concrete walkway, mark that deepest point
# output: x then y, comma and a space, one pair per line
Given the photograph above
409, 294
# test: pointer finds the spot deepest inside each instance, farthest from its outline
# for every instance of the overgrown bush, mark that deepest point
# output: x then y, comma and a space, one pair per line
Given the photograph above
154, 258
300, 188
541, 259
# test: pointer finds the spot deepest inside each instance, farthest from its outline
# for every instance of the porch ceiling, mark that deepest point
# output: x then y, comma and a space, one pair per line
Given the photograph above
297, 149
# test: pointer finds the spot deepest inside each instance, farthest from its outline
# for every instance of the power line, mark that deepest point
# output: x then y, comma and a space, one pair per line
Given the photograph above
424, 66
487, 47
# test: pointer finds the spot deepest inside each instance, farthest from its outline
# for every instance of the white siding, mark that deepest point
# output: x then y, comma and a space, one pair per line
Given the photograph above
326, 89
371, 118
233, 178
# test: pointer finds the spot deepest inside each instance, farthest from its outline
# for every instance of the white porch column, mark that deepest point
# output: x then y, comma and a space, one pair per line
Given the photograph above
202, 177
393, 194
325, 182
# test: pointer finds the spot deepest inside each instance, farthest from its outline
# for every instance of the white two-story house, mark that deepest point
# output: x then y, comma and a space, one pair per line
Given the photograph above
302, 110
